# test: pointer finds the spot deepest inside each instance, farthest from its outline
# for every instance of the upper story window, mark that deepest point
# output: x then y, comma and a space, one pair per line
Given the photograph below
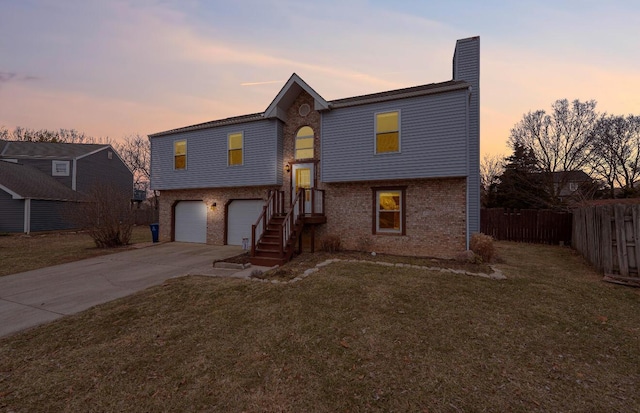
304, 143
388, 132
60, 168
234, 146
180, 155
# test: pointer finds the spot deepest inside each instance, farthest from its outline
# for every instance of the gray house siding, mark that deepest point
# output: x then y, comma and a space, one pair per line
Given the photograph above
97, 169
45, 165
466, 66
279, 152
433, 140
51, 215
11, 213
207, 158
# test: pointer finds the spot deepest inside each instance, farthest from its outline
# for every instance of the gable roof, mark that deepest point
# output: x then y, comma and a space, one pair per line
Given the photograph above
48, 150
295, 85
21, 181
431, 88
570, 176
288, 94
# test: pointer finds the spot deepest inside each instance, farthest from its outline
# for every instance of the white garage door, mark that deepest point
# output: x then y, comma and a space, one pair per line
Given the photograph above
191, 221
242, 214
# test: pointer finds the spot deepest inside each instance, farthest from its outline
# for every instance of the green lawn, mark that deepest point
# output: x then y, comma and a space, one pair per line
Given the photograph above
350, 338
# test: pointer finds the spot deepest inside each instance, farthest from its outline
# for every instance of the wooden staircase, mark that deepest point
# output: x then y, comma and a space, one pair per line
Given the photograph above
274, 243
269, 250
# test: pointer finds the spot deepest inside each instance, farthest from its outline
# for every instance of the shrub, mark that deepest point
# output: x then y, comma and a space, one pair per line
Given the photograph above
482, 245
106, 215
330, 243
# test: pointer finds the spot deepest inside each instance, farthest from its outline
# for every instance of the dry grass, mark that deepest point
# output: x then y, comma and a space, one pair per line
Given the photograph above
19, 252
351, 338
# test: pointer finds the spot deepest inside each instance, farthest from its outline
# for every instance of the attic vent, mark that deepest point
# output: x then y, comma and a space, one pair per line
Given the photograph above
304, 109
109, 155
60, 168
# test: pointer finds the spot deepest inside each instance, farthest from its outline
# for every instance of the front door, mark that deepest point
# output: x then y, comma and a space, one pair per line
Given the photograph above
303, 178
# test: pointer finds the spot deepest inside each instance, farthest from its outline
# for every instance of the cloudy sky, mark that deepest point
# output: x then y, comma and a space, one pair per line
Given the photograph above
113, 68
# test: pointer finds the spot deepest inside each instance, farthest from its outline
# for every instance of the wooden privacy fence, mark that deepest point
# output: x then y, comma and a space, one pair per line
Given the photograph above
608, 237
527, 225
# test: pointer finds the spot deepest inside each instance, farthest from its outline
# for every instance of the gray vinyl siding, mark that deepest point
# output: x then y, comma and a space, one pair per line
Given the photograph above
98, 169
207, 157
46, 165
433, 140
51, 215
467, 67
279, 152
11, 213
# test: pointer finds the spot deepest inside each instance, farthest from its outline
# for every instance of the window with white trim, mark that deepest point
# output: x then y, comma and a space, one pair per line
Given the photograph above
389, 211
387, 132
234, 146
60, 168
304, 143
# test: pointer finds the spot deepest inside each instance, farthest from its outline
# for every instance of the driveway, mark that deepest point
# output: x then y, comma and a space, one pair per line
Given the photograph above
35, 297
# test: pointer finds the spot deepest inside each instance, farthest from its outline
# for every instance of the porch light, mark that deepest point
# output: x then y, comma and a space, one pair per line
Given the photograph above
287, 167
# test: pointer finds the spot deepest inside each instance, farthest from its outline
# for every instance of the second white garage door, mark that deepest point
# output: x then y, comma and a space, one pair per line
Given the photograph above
242, 213
191, 221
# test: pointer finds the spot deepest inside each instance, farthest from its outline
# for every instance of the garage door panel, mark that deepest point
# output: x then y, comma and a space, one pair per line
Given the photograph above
242, 213
191, 221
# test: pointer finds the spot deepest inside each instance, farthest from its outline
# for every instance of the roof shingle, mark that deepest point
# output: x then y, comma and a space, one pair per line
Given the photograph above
28, 182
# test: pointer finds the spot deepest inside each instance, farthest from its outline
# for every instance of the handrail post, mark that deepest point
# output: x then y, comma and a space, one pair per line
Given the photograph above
253, 240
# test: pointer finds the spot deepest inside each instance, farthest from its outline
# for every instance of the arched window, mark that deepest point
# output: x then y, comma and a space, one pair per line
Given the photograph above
304, 143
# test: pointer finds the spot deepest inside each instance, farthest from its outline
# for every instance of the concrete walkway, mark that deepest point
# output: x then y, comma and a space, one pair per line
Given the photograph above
35, 297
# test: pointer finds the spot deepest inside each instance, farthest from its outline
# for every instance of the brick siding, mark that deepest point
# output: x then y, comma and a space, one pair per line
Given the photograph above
435, 217
215, 215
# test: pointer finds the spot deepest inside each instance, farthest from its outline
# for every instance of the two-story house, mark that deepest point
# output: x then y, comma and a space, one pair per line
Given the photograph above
40, 182
394, 172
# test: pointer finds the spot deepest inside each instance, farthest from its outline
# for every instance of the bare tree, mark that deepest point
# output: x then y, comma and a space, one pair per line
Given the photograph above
105, 212
135, 151
561, 140
491, 167
616, 149
46, 135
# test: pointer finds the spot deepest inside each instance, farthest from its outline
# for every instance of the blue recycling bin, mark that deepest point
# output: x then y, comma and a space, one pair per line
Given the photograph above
155, 229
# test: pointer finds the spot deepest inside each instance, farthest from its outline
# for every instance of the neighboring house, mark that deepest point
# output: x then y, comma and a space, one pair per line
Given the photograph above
394, 172
40, 182
571, 185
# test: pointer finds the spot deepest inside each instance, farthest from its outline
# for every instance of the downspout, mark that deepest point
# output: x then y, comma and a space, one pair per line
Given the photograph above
27, 215
73, 174
468, 102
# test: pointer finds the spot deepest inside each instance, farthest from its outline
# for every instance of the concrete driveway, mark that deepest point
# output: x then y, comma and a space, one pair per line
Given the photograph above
35, 297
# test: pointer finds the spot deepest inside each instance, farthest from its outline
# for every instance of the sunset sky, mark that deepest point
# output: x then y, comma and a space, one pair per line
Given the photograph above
119, 67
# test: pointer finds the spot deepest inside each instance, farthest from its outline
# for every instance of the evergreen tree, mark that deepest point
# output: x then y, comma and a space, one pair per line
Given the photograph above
521, 184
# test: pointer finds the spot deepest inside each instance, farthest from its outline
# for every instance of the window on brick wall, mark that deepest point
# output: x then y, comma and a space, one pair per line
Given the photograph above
304, 143
389, 207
